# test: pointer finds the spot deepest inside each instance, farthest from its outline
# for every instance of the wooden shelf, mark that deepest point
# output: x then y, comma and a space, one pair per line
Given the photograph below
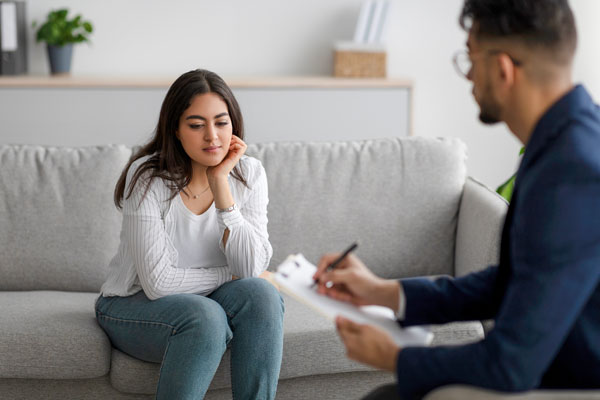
76, 81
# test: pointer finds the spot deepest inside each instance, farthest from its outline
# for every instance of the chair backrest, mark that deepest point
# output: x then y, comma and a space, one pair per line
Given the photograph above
59, 227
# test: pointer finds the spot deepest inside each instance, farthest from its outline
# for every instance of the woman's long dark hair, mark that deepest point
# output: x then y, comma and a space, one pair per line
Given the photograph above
169, 160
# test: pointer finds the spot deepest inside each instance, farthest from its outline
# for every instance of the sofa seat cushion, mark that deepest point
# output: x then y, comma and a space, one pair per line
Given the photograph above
310, 347
51, 335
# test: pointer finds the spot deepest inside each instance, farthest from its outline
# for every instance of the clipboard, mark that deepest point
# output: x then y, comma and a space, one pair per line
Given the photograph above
294, 277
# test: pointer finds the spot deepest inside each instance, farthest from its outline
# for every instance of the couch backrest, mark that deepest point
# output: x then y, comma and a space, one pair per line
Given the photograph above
398, 197
59, 227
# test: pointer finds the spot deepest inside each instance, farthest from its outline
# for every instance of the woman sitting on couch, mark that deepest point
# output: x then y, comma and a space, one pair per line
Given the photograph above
194, 221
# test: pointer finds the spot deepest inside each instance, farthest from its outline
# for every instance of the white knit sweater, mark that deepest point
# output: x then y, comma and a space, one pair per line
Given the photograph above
148, 260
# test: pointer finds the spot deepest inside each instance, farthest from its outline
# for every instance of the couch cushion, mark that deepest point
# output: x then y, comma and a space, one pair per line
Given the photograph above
310, 347
398, 197
59, 224
51, 335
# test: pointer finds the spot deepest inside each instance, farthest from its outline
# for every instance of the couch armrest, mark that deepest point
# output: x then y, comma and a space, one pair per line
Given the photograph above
479, 229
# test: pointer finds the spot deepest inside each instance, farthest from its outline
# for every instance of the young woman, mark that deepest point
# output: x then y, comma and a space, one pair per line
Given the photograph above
185, 282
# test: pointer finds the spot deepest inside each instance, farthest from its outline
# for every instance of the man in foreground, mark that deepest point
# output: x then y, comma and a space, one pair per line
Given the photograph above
544, 295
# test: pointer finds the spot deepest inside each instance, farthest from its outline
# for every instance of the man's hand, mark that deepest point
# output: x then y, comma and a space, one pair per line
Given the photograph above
367, 344
352, 282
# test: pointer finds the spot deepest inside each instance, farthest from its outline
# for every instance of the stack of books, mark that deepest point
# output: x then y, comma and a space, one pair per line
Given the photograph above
371, 25
365, 56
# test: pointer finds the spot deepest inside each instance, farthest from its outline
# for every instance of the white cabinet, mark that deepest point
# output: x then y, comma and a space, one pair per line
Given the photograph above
87, 111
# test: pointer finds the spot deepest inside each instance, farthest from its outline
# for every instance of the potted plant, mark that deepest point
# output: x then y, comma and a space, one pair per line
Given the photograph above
60, 33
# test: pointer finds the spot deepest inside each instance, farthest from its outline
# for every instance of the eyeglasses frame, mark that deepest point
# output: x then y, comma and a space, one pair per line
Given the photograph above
461, 52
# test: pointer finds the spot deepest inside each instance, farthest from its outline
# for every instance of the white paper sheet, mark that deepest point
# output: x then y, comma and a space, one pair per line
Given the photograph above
294, 276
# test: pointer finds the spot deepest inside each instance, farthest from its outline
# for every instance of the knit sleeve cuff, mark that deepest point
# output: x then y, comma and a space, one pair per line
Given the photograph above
224, 276
229, 219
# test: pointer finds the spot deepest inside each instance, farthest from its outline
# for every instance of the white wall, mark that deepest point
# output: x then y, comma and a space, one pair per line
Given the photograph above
587, 62
294, 37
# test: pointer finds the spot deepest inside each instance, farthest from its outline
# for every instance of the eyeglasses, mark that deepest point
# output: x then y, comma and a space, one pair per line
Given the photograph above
463, 62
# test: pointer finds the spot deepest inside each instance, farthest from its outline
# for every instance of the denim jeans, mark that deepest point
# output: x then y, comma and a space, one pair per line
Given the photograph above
189, 333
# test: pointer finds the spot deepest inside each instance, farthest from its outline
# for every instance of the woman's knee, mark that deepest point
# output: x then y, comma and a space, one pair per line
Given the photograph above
200, 316
263, 298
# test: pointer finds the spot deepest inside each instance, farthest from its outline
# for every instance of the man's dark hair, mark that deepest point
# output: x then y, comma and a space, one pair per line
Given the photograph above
539, 24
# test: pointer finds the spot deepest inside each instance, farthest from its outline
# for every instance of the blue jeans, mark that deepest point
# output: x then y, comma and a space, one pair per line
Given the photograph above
189, 333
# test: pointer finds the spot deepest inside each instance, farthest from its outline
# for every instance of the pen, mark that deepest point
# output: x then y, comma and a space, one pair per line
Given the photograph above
338, 260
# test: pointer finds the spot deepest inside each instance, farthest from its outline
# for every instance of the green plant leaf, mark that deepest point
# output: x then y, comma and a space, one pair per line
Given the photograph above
506, 189
62, 14
58, 30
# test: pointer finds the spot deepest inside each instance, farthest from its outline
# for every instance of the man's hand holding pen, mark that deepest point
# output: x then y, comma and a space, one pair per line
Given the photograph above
352, 282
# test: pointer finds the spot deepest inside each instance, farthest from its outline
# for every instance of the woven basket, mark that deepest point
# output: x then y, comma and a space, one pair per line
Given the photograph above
359, 64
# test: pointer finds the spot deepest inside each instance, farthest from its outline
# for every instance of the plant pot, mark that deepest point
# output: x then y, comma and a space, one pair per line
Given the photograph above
60, 59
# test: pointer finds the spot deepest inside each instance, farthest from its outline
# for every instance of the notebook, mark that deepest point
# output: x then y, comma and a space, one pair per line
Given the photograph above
294, 277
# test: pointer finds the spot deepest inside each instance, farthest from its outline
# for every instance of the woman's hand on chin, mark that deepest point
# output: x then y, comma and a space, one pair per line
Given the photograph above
237, 148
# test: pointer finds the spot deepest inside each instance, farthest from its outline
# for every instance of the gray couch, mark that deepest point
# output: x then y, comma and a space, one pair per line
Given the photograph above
408, 201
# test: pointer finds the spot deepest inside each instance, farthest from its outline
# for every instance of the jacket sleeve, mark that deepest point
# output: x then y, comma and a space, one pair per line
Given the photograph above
446, 299
153, 253
248, 250
554, 272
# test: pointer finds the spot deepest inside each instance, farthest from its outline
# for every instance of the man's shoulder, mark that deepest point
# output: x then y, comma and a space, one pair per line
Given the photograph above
578, 146
572, 153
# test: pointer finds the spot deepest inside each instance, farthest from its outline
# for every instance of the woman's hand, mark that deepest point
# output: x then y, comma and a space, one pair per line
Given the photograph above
237, 148
268, 276
217, 176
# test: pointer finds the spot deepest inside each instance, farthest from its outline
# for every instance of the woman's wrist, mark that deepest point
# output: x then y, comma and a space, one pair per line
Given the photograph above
222, 195
215, 181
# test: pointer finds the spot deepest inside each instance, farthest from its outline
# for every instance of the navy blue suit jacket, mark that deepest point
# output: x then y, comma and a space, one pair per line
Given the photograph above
544, 295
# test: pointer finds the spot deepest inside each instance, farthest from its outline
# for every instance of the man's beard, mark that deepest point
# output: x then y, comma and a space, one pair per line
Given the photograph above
489, 109
487, 117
